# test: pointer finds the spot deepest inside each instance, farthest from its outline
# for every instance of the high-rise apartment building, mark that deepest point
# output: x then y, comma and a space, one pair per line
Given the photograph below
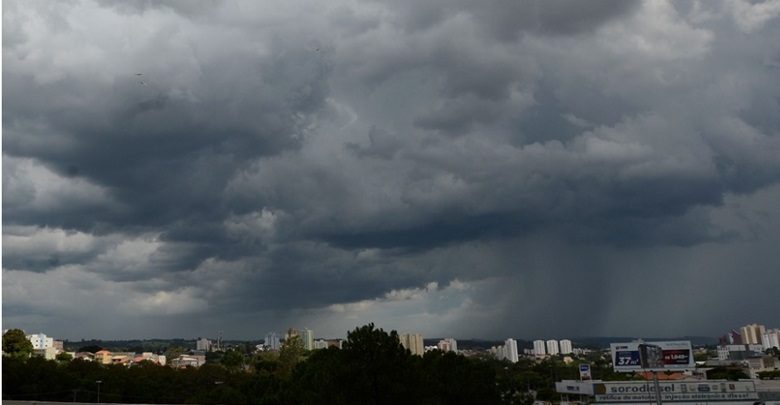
203, 344
272, 341
566, 346
448, 345
307, 339
770, 339
552, 347
510, 347
751, 334
539, 348
734, 338
413, 342
498, 352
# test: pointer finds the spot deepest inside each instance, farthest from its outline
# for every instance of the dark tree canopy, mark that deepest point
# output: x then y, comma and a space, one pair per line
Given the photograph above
16, 344
372, 368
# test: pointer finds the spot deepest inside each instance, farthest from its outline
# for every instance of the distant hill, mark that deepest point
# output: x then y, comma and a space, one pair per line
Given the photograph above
159, 345
602, 342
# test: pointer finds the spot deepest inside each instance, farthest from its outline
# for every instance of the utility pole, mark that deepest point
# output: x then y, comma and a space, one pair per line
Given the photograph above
657, 388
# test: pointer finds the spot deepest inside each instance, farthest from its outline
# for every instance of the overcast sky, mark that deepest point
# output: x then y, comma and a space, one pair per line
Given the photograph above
502, 168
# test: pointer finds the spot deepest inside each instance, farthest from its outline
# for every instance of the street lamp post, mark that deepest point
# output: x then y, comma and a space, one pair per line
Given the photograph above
98, 382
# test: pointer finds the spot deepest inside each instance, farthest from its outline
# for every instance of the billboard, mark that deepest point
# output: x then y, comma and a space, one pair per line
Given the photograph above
585, 371
574, 387
652, 356
698, 391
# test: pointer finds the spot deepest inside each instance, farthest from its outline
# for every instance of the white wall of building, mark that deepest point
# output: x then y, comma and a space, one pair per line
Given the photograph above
552, 347
566, 347
510, 346
771, 339
539, 348
40, 341
751, 334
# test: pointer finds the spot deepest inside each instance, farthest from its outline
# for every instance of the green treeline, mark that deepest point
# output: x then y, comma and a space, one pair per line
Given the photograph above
371, 368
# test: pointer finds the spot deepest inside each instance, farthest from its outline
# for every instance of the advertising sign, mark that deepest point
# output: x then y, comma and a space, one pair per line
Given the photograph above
585, 372
704, 391
652, 356
574, 387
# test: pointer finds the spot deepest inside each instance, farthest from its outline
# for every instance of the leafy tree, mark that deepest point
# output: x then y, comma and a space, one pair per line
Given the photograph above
769, 375
173, 352
214, 357
16, 344
64, 357
233, 360
266, 363
372, 368
475, 380
290, 354
726, 373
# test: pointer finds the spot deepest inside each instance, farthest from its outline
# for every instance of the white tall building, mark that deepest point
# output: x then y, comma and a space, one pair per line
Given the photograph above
539, 348
448, 345
307, 338
770, 339
552, 347
751, 334
498, 352
510, 347
566, 346
203, 344
272, 341
413, 342
40, 341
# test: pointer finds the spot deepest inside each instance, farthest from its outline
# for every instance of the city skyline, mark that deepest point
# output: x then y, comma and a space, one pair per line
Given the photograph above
534, 169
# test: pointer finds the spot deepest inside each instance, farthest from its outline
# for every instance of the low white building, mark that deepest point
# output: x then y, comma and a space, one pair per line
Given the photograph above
40, 341
739, 352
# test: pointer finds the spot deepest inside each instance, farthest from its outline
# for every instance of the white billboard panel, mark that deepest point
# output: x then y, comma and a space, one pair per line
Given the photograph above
700, 391
574, 387
652, 356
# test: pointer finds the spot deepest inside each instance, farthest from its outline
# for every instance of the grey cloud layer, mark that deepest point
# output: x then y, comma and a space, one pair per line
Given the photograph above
272, 160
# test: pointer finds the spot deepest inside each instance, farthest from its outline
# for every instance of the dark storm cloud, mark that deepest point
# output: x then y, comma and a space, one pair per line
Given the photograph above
506, 19
162, 145
434, 165
184, 7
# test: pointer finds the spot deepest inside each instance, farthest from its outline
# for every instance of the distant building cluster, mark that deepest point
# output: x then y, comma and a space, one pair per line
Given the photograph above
746, 347
552, 347
448, 345
272, 341
508, 351
753, 335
